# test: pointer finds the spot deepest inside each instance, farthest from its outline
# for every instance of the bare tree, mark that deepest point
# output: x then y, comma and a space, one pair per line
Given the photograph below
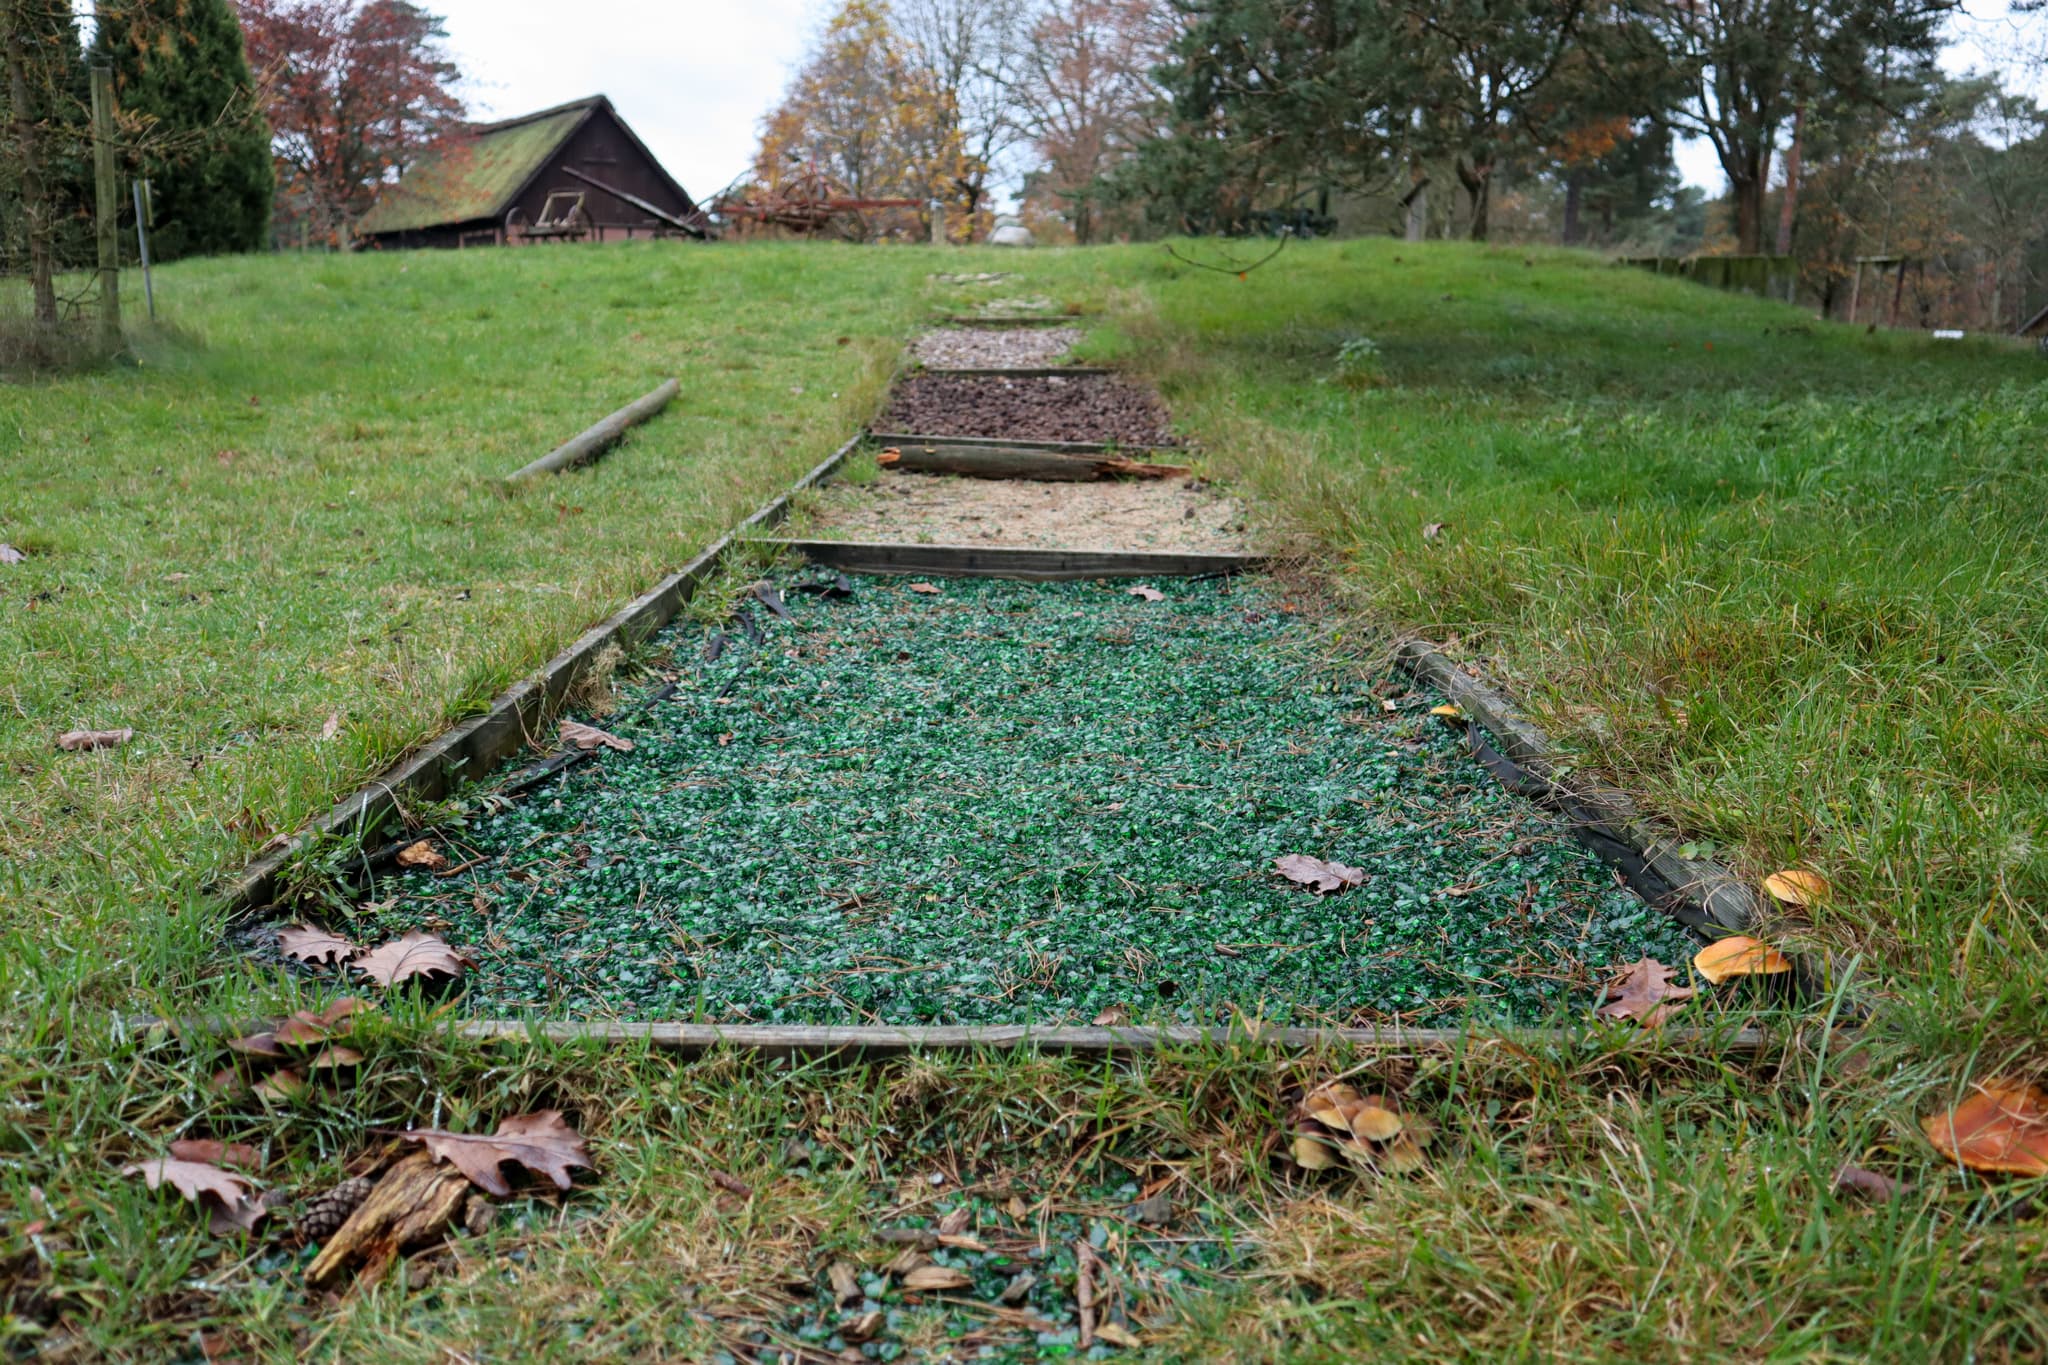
971, 52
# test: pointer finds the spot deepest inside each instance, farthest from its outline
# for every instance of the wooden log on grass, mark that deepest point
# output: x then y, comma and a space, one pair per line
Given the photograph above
600, 438
1000, 462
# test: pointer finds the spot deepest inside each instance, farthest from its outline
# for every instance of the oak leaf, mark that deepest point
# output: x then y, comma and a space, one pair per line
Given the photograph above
2002, 1126
1643, 991
1324, 876
229, 1199
77, 741
423, 855
1146, 594
543, 1143
1739, 955
589, 738
306, 1027
216, 1152
924, 588
307, 943
416, 954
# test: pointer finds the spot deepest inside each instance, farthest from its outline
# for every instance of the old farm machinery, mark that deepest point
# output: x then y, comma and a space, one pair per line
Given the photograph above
810, 203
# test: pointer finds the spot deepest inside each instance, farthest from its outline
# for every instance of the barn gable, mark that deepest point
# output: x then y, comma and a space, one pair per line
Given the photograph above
516, 180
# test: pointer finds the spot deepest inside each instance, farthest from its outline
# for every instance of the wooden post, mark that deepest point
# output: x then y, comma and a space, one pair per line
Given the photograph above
106, 206
594, 441
142, 245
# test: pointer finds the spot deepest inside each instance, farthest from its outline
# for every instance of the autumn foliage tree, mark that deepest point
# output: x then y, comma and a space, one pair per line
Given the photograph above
1085, 96
863, 118
354, 90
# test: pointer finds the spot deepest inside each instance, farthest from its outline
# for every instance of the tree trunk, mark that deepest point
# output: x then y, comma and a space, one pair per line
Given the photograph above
1746, 181
35, 200
1478, 182
1788, 206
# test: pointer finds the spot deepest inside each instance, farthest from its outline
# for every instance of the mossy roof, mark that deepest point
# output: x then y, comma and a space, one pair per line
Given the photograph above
477, 175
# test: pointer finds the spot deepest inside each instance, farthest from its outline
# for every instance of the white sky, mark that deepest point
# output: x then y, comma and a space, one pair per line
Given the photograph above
693, 77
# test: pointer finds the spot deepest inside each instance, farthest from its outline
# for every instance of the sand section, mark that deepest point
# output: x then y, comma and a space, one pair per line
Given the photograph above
984, 348
927, 509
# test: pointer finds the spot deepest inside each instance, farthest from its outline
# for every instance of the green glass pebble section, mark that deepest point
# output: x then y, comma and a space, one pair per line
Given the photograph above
1006, 802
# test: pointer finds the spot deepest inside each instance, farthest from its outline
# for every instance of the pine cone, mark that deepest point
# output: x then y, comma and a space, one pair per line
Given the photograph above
326, 1213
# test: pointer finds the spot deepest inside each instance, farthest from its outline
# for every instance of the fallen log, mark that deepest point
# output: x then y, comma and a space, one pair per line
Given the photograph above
412, 1206
996, 462
594, 441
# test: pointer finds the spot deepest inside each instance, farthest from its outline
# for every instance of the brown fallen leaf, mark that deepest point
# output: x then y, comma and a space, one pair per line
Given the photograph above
229, 1199
1798, 887
10, 555
1146, 594
924, 588
957, 1221
543, 1143
1435, 530
589, 738
931, 1278
422, 855
306, 943
864, 1328
845, 1279
1870, 1184
1117, 1335
732, 1184
1642, 991
416, 954
281, 1085
1325, 877
1115, 1016
1739, 955
218, 1153
306, 1027
331, 728
78, 741
2002, 1126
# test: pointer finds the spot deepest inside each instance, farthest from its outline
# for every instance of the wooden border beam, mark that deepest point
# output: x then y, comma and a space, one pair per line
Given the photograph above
1007, 561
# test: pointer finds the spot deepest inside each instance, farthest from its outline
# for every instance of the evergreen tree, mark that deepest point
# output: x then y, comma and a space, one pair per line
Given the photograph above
180, 72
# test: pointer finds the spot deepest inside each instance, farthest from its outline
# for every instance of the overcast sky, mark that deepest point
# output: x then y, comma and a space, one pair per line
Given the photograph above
694, 78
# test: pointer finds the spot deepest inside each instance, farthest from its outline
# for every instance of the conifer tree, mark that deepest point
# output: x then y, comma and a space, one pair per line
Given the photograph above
181, 77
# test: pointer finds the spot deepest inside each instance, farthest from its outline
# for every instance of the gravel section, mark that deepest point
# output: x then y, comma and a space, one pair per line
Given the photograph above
971, 348
999, 802
929, 509
1101, 407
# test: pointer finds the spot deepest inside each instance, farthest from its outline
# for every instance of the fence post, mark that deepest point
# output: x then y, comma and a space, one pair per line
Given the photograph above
142, 245
106, 206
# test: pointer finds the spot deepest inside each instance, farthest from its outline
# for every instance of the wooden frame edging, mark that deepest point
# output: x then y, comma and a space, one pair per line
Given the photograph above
1016, 320
800, 1040
472, 748
896, 438
1701, 893
1029, 563
1013, 371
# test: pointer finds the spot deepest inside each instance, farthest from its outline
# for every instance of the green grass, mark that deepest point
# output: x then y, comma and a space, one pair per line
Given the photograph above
1788, 588
1007, 803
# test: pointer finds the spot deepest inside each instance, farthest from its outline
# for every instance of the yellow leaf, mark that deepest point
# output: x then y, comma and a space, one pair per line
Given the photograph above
1447, 711
1739, 955
1798, 887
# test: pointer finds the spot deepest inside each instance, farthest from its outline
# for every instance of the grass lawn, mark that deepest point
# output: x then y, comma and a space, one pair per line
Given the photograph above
1783, 580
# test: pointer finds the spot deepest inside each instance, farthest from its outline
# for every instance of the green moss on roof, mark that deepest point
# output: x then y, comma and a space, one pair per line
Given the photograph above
473, 177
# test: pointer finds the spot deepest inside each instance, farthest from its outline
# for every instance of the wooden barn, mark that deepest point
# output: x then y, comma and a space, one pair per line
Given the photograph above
574, 173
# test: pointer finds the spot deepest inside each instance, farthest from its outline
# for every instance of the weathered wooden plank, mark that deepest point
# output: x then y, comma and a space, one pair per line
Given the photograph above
1015, 371
1016, 320
883, 1040
594, 440
903, 440
1000, 462
472, 748
995, 561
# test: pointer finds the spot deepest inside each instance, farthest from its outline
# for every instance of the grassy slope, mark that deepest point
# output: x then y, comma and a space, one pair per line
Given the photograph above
1583, 1204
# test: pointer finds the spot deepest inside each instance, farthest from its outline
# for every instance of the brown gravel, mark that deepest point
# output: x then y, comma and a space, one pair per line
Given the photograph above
974, 348
1102, 408
926, 509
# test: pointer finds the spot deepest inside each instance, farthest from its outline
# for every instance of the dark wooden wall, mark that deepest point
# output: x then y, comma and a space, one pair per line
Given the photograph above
602, 149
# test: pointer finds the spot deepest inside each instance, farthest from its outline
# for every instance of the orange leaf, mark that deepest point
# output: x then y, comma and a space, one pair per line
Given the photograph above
2001, 1127
1739, 955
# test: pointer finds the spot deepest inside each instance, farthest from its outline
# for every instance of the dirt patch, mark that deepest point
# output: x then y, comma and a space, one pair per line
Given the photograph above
924, 509
972, 348
1099, 407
